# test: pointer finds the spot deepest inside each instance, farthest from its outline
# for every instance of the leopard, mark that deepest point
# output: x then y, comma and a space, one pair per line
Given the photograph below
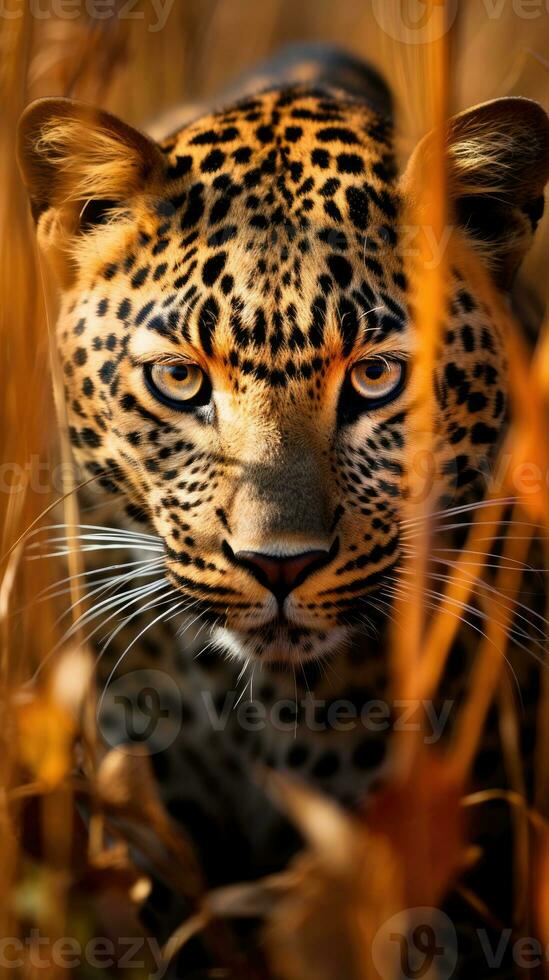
237, 341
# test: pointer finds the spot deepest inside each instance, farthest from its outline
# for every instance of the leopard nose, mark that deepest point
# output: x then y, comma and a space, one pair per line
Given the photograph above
282, 573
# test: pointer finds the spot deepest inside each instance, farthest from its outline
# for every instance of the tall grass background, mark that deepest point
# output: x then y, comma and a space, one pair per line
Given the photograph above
124, 66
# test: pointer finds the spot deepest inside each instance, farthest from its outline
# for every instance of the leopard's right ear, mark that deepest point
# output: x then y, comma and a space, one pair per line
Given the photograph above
82, 164
498, 166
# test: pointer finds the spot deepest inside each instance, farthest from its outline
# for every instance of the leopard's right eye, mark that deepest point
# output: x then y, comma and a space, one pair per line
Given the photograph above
378, 379
180, 385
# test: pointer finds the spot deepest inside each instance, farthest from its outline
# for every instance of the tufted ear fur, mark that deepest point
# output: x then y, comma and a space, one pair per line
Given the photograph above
80, 166
498, 165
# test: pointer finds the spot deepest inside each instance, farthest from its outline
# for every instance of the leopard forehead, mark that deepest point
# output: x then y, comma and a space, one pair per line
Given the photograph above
274, 237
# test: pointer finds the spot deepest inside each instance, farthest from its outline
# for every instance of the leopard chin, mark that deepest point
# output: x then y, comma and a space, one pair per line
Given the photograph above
279, 643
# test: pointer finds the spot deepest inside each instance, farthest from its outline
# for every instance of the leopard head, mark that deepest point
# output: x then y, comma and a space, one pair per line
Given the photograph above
236, 334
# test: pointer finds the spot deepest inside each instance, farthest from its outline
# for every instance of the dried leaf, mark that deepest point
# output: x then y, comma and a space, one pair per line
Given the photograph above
49, 756
422, 819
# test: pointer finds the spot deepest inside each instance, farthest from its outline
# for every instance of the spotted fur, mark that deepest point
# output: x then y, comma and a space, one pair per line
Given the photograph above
263, 241
267, 242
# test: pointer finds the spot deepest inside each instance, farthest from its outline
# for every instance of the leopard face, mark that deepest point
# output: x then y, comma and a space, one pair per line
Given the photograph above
237, 334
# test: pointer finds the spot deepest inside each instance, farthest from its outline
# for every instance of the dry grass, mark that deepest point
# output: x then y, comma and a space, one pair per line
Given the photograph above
136, 73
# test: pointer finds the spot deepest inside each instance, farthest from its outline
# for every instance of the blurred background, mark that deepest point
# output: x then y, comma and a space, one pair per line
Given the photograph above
140, 58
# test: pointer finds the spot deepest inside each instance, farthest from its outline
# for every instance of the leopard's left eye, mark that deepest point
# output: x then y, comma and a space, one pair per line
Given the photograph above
180, 386
378, 379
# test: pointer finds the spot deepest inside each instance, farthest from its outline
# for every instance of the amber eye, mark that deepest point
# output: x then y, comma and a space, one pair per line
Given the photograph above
378, 379
180, 386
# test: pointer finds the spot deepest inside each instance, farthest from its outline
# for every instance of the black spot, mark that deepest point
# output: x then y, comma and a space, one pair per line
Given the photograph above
341, 133
194, 209
349, 163
222, 236
386, 205
259, 221
316, 331
158, 325
127, 402
330, 187
358, 207
213, 268
468, 338
259, 330
320, 158
476, 401
214, 161
80, 356
482, 434
242, 155
458, 435
341, 270
124, 309
348, 325
91, 438
265, 134
400, 280
181, 167
331, 210
207, 323
106, 371
220, 210
466, 301
160, 246
160, 271
140, 277
227, 285
144, 312
296, 171
213, 138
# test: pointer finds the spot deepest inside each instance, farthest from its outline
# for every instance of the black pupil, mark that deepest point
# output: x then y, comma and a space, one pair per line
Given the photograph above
374, 371
179, 372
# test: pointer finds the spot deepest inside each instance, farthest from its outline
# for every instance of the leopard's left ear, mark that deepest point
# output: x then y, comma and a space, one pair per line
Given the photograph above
70, 153
498, 165
82, 167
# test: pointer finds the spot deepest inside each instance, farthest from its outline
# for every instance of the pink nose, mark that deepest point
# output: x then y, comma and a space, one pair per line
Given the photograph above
282, 573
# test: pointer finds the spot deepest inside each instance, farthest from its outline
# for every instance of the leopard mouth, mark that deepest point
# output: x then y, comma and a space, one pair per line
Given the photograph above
280, 641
